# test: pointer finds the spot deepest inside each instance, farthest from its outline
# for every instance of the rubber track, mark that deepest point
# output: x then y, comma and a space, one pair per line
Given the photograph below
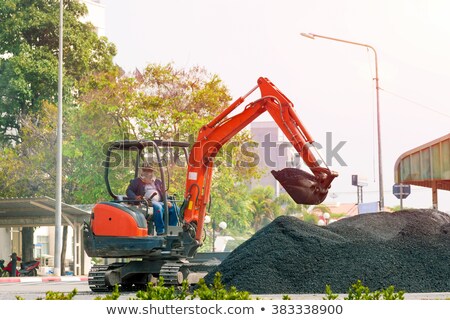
169, 271
96, 279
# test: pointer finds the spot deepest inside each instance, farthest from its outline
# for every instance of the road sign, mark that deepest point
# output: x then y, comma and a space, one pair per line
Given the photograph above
359, 181
401, 191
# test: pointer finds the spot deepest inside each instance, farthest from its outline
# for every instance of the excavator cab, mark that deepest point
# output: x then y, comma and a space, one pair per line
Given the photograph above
124, 160
121, 227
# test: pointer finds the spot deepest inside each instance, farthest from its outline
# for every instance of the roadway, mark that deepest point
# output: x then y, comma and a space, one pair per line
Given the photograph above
32, 289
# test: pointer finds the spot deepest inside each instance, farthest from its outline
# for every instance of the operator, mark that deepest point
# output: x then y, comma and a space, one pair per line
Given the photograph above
147, 187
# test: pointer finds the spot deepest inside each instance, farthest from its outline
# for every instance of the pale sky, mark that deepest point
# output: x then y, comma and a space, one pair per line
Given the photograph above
330, 83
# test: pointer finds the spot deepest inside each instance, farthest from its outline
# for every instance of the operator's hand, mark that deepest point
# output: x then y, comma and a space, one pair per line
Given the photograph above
169, 204
139, 197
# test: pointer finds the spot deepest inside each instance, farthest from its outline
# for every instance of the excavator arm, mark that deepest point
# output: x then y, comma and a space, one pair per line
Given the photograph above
303, 187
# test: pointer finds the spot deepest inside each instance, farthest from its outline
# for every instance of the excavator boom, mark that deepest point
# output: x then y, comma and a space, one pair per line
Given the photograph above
303, 187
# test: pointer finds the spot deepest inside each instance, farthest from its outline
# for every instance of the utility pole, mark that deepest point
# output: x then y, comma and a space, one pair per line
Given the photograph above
380, 167
58, 231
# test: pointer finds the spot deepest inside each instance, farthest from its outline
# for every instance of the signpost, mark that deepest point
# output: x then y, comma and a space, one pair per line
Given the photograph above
359, 182
401, 191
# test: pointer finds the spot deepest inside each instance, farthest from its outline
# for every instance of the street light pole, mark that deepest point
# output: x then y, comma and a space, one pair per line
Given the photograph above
380, 167
58, 264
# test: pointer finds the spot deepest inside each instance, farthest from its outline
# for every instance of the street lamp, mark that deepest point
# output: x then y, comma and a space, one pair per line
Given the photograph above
380, 168
58, 264
220, 227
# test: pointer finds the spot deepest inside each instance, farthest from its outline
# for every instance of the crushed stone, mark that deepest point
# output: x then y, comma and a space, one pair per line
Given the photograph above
408, 249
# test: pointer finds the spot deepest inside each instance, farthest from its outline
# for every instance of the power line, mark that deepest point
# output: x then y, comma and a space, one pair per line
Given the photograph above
416, 103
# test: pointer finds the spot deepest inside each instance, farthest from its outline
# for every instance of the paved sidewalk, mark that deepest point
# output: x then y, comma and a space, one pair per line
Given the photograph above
43, 279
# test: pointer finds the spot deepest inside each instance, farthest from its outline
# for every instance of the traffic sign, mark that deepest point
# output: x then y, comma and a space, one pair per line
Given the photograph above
401, 191
359, 181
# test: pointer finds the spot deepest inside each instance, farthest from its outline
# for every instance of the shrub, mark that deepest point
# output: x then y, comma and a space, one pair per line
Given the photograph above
358, 291
217, 291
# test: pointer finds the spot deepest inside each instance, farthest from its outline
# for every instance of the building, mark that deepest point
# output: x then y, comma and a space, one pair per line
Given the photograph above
274, 152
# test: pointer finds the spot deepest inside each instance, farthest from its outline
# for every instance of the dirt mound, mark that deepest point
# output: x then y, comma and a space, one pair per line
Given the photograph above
409, 249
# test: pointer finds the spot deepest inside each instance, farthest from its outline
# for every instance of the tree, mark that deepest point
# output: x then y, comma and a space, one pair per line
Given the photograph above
29, 46
176, 102
263, 206
28, 168
161, 103
99, 118
289, 207
230, 201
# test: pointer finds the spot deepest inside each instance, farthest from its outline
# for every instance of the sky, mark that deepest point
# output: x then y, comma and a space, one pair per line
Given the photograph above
330, 83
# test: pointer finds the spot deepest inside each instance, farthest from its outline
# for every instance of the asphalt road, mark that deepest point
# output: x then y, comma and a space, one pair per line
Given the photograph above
32, 291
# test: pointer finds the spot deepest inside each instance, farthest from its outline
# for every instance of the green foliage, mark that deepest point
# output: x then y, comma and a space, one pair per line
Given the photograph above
230, 197
309, 217
217, 291
189, 98
29, 47
263, 206
113, 296
329, 293
390, 294
358, 291
289, 207
230, 201
161, 103
28, 168
161, 292
51, 295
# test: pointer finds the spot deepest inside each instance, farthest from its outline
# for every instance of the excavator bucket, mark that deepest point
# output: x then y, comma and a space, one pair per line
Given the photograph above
303, 187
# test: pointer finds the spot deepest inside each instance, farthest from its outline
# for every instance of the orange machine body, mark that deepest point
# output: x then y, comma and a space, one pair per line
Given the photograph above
117, 220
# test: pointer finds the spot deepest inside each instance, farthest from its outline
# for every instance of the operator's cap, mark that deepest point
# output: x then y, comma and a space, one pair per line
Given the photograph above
147, 166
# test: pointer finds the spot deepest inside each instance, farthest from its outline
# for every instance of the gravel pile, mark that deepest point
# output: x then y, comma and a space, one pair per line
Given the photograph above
409, 249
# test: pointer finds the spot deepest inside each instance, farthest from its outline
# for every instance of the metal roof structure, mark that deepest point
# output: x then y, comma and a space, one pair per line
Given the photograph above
39, 211
427, 166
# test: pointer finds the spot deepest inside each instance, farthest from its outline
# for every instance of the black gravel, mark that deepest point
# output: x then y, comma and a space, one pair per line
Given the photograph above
409, 249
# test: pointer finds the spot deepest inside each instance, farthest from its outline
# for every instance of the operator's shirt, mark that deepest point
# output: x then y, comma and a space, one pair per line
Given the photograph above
150, 188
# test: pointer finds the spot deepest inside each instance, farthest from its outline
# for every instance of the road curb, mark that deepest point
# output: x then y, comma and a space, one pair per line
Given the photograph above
43, 279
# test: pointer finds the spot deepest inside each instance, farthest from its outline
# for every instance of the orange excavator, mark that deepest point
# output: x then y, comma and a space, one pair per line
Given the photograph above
119, 228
